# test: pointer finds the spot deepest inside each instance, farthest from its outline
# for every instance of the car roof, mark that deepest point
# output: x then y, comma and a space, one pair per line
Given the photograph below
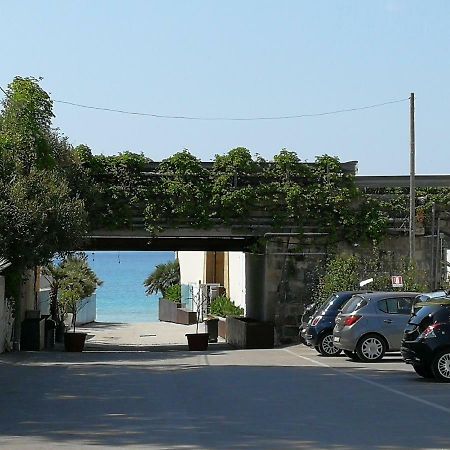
444, 301
381, 295
351, 292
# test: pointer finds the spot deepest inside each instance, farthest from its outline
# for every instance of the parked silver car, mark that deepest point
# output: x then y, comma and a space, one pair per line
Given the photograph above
372, 324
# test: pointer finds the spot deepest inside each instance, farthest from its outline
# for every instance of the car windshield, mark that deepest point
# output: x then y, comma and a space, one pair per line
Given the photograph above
334, 303
355, 303
430, 296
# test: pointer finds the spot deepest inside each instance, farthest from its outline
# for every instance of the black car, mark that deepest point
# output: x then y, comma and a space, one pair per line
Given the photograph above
305, 320
426, 341
319, 332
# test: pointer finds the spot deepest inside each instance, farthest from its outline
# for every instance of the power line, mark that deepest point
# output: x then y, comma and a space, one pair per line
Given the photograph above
163, 116
297, 116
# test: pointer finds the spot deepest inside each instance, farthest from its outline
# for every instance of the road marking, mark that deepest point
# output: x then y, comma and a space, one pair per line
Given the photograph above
373, 383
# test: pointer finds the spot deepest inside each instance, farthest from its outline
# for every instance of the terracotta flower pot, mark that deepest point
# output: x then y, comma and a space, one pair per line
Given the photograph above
74, 342
197, 341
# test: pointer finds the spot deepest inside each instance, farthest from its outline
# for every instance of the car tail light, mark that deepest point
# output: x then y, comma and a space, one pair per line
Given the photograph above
351, 320
429, 331
316, 320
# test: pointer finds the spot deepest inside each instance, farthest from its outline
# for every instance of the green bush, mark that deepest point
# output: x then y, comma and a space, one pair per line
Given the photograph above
173, 293
222, 306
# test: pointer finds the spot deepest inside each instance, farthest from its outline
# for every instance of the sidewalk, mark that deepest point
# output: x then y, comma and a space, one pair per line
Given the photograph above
135, 336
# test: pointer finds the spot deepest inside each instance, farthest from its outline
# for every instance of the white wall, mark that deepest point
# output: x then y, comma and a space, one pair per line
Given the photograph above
88, 312
237, 278
192, 266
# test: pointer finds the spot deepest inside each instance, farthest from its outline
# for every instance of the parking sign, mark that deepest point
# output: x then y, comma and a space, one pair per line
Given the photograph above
397, 281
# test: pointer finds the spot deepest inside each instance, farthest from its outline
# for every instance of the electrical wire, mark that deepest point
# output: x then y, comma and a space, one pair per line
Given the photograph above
287, 117
297, 116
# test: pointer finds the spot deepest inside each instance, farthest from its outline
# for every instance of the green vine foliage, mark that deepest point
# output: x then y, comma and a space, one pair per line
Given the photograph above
115, 187
234, 189
181, 195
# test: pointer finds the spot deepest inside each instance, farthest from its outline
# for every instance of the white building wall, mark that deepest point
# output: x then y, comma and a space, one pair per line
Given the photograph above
237, 278
192, 270
88, 310
192, 267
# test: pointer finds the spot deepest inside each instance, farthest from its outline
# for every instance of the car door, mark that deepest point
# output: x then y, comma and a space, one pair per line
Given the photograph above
394, 314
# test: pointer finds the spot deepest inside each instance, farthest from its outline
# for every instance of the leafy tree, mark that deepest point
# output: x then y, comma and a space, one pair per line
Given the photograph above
40, 214
25, 125
162, 278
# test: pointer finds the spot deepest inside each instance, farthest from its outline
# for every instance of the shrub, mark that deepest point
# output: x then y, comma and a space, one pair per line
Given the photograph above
222, 306
173, 293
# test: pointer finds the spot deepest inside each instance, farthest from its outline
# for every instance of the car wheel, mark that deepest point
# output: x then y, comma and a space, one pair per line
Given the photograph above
371, 348
352, 355
423, 371
441, 366
326, 346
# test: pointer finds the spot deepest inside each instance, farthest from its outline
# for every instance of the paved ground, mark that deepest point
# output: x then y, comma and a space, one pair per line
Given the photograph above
285, 398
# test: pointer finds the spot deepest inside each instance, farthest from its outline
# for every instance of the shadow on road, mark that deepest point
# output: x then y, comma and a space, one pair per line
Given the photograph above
201, 401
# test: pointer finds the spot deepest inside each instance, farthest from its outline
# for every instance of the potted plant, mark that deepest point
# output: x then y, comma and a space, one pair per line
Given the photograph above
198, 341
79, 283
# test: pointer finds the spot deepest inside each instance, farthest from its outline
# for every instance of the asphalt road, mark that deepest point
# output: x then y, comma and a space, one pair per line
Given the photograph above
285, 398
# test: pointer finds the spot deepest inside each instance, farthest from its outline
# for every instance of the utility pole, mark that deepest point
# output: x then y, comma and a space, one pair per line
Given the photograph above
412, 183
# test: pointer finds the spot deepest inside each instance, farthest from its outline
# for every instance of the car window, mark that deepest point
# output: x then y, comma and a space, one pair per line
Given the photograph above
355, 303
404, 305
397, 305
382, 306
335, 302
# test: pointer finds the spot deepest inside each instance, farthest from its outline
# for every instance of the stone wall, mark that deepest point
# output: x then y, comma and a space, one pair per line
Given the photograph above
279, 284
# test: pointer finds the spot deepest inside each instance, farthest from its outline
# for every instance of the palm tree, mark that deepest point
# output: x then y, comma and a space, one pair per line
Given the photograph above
54, 273
164, 276
72, 273
79, 282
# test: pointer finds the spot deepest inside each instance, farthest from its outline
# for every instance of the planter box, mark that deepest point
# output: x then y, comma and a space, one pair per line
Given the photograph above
168, 310
223, 327
175, 312
244, 332
186, 317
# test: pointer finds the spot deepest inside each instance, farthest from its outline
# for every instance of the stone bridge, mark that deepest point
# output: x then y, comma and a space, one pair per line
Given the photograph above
271, 295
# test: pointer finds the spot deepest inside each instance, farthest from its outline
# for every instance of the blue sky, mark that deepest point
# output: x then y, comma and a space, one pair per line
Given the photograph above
242, 59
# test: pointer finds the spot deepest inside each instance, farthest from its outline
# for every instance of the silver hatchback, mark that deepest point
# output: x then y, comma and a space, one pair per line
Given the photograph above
372, 324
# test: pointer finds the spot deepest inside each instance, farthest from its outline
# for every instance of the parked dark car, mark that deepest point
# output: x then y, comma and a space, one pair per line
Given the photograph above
372, 324
426, 340
319, 332
305, 320
429, 297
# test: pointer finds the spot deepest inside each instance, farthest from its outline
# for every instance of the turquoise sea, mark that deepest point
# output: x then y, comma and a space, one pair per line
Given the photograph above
122, 297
